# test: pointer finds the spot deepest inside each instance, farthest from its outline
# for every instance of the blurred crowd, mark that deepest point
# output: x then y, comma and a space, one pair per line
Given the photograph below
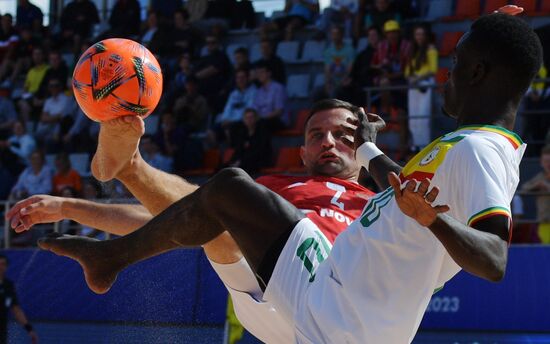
211, 99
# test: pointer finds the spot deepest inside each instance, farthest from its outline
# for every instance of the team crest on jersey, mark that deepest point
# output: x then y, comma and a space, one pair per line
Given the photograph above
430, 156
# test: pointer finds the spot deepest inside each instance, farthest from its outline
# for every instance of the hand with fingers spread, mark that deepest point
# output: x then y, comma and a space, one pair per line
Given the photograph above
35, 210
417, 202
510, 10
363, 129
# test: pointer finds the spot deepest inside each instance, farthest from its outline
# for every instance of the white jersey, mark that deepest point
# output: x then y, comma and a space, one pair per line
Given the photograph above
376, 283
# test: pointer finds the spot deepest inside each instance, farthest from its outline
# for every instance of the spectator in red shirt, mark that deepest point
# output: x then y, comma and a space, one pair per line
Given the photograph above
65, 175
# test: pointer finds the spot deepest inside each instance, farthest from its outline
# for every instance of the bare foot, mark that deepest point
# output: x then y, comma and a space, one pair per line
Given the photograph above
117, 145
99, 269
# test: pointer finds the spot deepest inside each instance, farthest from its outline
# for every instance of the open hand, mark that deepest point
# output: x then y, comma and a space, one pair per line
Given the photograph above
417, 203
363, 129
34, 210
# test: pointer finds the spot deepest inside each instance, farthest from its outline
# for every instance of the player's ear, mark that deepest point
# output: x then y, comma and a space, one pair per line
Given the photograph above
478, 73
302, 154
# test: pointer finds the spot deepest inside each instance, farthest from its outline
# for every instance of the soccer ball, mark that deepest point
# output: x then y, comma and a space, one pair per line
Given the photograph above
117, 77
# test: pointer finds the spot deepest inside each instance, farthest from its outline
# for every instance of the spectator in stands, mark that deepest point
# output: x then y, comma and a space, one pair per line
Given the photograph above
9, 301
8, 43
17, 150
125, 19
28, 15
65, 176
152, 154
270, 59
58, 70
192, 109
7, 180
213, 71
270, 100
298, 13
57, 116
378, 16
183, 37
362, 74
241, 98
153, 37
82, 135
242, 58
35, 179
338, 59
171, 139
8, 116
166, 8
391, 58
21, 60
34, 77
91, 190
341, 13
420, 71
252, 142
537, 125
77, 21
541, 183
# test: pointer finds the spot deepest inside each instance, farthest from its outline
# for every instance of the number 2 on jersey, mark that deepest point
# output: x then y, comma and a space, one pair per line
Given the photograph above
339, 191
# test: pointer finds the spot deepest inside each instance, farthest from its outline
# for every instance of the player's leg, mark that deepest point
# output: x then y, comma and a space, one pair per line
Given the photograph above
258, 219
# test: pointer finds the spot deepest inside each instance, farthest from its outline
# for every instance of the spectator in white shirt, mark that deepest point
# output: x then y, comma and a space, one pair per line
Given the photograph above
240, 98
21, 143
35, 179
56, 115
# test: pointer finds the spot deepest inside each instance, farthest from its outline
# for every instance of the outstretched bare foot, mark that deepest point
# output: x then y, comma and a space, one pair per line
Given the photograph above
117, 145
99, 270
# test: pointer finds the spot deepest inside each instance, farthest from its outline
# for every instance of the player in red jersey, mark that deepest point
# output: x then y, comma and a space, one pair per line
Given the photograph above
330, 196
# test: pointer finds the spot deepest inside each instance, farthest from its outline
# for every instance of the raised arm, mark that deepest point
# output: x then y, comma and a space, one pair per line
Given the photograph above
364, 131
119, 219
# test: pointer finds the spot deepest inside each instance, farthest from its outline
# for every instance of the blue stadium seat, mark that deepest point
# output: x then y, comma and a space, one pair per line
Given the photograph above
439, 8
80, 163
313, 51
298, 86
288, 51
362, 44
255, 52
319, 80
151, 124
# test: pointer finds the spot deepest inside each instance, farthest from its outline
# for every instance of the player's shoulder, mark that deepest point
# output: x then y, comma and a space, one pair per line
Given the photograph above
486, 137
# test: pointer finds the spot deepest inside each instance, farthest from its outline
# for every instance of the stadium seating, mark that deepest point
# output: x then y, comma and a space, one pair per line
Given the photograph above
465, 9
81, 163
362, 44
211, 162
313, 51
544, 8
288, 160
448, 43
298, 126
319, 80
438, 9
529, 6
227, 154
298, 86
288, 51
151, 124
255, 52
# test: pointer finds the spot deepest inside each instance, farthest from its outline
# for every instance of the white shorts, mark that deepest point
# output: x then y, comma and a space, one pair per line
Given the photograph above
305, 249
256, 315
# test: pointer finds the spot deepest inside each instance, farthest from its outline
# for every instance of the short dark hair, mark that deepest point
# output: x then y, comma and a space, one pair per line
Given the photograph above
329, 104
264, 65
249, 109
242, 69
184, 13
508, 43
241, 50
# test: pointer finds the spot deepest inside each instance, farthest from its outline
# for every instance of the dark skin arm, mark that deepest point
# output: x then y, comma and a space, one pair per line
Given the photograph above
364, 129
481, 250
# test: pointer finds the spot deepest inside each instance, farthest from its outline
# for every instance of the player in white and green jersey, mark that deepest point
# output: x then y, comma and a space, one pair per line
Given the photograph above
449, 211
